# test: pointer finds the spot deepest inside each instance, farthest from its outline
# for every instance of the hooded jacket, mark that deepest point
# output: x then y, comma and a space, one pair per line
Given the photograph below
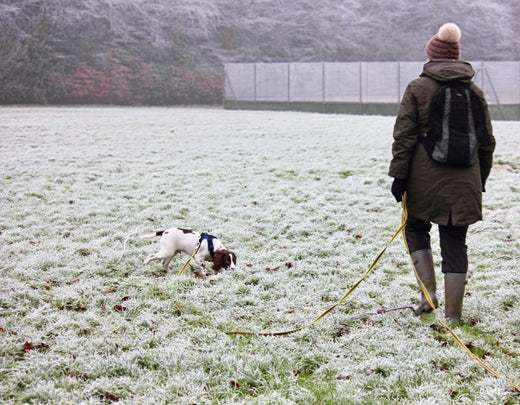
435, 192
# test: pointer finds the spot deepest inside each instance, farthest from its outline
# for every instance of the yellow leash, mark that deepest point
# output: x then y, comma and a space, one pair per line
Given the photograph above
325, 313
191, 257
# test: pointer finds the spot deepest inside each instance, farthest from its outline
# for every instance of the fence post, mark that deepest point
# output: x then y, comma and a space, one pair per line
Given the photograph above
361, 88
482, 74
288, 86
254, 89
398, 82
323, 87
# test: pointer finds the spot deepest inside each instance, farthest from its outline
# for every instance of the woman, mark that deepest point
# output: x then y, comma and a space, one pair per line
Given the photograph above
450, 196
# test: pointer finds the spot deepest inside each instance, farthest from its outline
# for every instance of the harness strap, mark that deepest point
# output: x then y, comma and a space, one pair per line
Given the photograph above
209, 238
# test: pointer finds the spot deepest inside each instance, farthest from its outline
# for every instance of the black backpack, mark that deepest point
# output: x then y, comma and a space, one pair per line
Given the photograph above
456, 122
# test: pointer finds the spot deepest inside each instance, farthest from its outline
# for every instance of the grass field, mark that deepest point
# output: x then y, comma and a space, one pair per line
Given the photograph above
304, 201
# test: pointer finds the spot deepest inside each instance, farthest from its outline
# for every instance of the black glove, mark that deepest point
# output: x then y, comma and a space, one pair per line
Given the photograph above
399, 188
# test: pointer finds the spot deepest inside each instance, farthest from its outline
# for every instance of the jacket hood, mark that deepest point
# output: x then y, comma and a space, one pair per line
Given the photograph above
445, 70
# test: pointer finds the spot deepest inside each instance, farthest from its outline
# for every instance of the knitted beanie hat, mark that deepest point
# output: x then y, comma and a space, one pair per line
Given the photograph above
444, 44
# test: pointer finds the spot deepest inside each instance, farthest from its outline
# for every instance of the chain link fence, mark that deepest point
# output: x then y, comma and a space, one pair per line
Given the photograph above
354, 87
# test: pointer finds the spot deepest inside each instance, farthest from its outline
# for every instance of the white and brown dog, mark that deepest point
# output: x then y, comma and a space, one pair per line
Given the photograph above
176, 240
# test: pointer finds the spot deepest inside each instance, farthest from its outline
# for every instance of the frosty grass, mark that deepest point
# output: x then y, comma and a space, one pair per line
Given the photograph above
303, 199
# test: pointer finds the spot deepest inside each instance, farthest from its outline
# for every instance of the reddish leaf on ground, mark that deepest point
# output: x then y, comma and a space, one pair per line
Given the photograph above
28, 346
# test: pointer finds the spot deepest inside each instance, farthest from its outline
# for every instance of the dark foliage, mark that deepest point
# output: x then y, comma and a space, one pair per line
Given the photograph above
171, 52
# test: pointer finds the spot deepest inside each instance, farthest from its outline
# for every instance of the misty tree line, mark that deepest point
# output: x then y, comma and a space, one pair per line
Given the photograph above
171, 52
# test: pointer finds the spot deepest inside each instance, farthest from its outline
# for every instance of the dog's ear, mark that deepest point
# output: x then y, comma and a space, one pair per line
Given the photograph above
218, 261
234, 258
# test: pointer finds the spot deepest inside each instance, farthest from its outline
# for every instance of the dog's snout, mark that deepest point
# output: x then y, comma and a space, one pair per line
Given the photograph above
231, 265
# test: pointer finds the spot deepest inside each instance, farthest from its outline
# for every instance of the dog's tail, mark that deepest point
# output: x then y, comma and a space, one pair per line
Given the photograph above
152, 235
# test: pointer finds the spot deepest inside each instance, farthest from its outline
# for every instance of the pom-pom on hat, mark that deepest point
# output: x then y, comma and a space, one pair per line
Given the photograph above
444, 44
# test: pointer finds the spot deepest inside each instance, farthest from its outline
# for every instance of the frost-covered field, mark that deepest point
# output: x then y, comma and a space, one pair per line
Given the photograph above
304, 201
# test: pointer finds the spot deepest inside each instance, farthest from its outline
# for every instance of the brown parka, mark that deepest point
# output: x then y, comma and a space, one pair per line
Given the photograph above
437, 192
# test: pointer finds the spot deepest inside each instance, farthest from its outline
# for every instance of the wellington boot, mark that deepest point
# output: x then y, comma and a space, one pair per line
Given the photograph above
454, 285
423, 262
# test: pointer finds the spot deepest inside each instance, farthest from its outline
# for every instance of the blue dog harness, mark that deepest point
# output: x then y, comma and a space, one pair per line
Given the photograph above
209, 238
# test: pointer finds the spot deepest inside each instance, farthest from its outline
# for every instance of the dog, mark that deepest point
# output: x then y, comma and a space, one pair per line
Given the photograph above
176, 240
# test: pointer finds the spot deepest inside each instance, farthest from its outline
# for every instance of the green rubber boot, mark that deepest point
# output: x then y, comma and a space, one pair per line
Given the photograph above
423, 262
454, 285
